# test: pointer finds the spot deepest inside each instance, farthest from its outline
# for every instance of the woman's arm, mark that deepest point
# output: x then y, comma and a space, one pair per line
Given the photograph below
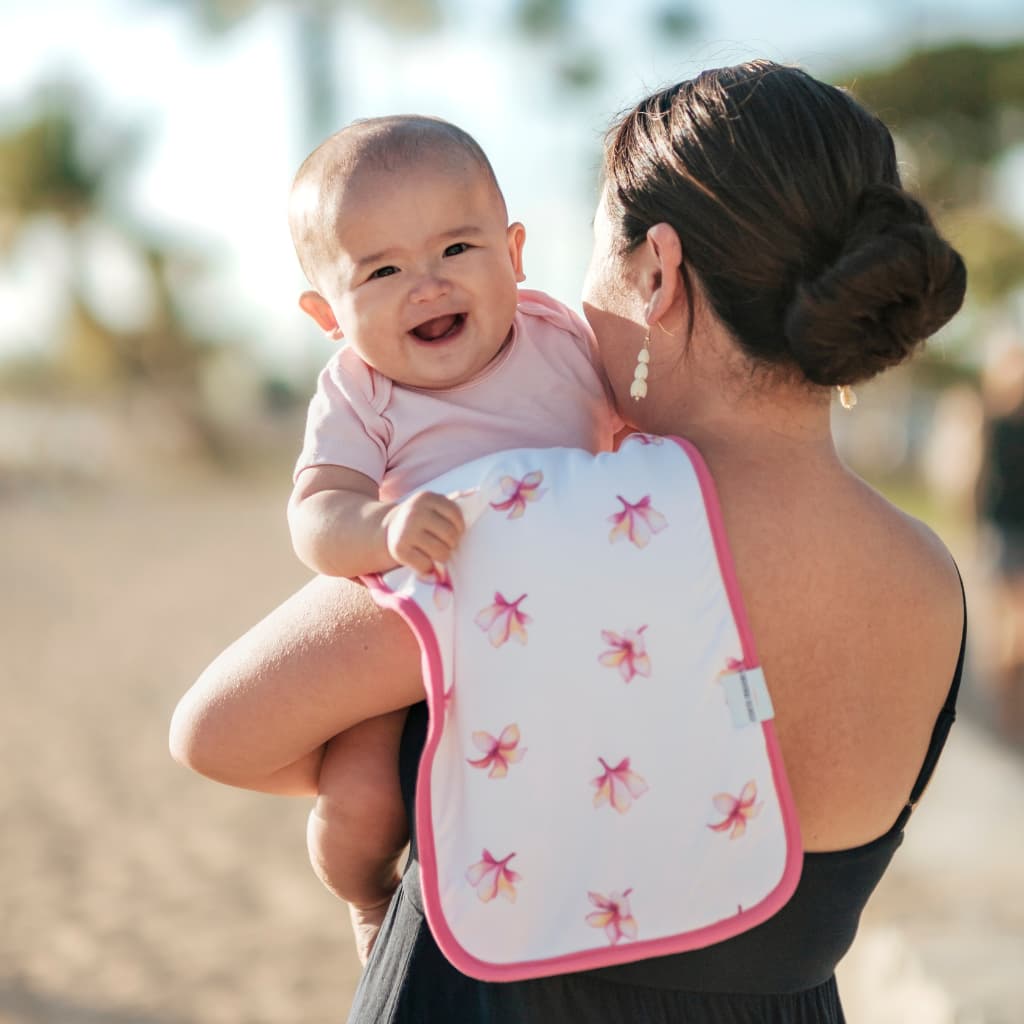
319, 663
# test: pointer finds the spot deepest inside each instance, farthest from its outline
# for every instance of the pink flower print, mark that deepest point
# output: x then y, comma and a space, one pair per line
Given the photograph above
618, 786
518, 493
442, 582
731, 665
646, 438
503, 621
737, 810
628, 653
613, 915
498, 753
636, 522
493, 878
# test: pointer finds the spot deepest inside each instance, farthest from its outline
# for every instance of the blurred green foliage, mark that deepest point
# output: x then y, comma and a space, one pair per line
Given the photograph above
957, 94
959, 110
58, 168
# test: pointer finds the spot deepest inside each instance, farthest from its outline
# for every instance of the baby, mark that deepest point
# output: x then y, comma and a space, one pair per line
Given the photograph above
402, 232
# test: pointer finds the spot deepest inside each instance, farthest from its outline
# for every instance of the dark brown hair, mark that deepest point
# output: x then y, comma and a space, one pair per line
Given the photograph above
787, 200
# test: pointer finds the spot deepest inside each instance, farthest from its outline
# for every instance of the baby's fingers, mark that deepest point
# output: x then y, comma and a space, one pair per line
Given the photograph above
422, 554
446, 509
443, 528
417, 559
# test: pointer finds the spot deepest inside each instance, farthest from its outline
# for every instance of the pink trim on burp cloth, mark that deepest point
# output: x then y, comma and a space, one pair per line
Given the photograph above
601, 780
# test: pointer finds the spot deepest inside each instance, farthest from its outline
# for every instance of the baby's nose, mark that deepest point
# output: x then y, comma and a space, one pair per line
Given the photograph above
428, 288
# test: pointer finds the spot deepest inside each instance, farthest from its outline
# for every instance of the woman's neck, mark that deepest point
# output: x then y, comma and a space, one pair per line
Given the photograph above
761, 424
763, 432
767, 430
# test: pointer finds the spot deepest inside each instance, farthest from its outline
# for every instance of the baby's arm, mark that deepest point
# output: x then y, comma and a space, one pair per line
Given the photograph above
340, 527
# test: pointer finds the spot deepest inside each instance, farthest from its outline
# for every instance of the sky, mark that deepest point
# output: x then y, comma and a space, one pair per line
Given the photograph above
224, 136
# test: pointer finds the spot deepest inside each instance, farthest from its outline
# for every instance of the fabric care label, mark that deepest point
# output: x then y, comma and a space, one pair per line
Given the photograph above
746, 693
601, 780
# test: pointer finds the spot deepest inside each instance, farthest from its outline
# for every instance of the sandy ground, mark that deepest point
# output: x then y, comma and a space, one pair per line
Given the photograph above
136, 893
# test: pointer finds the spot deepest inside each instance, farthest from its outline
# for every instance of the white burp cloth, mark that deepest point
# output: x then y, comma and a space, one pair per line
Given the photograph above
601, 780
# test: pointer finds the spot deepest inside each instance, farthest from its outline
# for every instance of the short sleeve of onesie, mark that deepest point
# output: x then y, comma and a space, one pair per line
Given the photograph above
345, 425
542, 305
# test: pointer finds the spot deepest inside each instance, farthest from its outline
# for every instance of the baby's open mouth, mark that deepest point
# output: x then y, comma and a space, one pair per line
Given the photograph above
440, 327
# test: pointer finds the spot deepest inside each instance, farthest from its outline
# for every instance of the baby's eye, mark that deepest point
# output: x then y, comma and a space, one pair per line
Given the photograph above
458, 247
383, 272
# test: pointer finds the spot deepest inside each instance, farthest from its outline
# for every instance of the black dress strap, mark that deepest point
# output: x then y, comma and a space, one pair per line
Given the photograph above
943, 723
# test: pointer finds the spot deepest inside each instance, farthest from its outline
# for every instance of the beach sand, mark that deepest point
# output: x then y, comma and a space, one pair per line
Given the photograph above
137, 893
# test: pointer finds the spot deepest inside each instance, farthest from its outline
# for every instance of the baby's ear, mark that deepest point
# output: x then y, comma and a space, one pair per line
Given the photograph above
516, 237
316, 306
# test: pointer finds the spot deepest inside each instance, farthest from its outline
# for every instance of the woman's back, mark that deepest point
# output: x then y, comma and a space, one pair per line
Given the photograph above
858, 616
857, 612
781, 971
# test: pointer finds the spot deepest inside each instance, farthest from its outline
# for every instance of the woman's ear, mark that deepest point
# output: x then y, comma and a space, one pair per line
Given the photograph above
664, 282
316, 306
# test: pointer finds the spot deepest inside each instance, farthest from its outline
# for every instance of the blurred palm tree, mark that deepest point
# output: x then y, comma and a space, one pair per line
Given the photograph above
56, 167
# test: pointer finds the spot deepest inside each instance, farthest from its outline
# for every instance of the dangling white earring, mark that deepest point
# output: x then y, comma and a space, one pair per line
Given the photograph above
847, 396
638, 389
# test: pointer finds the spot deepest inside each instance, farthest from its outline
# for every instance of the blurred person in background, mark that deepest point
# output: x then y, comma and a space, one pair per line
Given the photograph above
1000, 502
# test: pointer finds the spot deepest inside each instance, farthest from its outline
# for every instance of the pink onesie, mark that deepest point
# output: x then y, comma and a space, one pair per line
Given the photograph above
544, 390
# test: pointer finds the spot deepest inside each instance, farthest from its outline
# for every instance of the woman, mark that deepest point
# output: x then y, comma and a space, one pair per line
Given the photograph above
753, 237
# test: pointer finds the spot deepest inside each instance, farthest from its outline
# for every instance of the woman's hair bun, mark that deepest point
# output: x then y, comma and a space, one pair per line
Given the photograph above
894, 282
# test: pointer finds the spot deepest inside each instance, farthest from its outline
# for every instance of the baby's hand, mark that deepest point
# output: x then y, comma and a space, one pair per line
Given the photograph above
423, 530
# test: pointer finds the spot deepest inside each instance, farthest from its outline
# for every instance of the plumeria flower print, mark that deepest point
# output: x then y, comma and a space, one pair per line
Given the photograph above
518, 493
613, 914
442, 583
498, 752
493, 878
618, 786
503, 621
738, 810
636, 522
627, 653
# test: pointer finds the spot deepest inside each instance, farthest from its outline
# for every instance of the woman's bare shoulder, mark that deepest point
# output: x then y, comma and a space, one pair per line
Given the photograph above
920, 570
859, 622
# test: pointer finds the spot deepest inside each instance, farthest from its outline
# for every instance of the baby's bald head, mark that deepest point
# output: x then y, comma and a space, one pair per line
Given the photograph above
378, 145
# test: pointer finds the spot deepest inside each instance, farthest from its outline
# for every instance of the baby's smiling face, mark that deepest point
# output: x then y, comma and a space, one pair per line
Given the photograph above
423, 276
